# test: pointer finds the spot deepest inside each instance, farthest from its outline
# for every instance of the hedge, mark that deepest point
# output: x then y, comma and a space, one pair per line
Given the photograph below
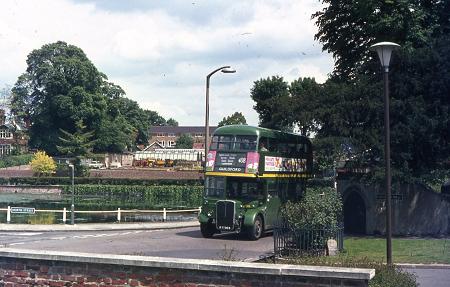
136, 196
33, 181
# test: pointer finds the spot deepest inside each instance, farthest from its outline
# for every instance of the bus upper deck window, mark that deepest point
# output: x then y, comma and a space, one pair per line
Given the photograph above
245, 143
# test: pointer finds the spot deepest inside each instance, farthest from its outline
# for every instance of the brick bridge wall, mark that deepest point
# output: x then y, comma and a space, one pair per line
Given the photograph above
44, 268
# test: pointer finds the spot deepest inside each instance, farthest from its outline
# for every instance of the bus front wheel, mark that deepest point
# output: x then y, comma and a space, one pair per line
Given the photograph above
255, 232
207, 230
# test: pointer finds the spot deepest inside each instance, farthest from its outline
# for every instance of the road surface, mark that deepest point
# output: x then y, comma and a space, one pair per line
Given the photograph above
180, 243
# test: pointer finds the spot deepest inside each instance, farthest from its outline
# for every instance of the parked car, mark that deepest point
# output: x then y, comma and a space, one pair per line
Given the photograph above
95, 164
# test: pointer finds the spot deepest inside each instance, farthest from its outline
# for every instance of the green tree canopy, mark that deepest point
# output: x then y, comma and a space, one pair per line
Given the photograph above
61, 87
348, 28
185, 141
172, 122
235, 119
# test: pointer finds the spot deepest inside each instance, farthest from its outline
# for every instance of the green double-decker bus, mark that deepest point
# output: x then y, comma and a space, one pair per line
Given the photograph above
249, 173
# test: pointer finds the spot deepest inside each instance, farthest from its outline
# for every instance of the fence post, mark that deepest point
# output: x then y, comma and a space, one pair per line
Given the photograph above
8, 215
164, 215
64, 215
118, 214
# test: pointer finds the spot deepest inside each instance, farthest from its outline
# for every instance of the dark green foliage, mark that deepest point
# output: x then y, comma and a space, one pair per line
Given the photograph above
136, 196
78, 144
61, 87
15, 160
272, 103
348, 28
235, 119
96, 180
385, 276
320, 207
172, 122
185, 141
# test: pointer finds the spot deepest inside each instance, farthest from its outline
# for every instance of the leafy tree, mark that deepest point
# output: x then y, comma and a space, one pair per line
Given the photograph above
61, 87
42, 164
185, 141
114, 135
419, 96
348, 28
235, 119
272, 103
172, 122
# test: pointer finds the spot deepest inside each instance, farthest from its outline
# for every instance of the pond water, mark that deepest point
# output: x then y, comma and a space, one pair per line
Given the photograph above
58, 202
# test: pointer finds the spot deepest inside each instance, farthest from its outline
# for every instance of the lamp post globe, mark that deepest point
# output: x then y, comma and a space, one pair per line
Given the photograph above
225, 70
384, 51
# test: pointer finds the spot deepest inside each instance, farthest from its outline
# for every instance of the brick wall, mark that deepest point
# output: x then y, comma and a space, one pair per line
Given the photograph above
36, 268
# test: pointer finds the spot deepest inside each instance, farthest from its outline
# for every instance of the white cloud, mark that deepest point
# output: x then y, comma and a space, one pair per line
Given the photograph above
160, 52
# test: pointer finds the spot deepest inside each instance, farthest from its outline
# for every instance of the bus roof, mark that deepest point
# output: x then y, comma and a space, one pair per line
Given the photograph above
255, 131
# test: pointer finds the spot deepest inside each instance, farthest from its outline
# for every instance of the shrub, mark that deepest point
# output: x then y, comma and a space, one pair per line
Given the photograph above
15, 160
320, 207
42, 164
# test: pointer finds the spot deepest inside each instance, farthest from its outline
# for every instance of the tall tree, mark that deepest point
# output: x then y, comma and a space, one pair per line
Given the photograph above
235, 119
348, 28
272, 102
61, 87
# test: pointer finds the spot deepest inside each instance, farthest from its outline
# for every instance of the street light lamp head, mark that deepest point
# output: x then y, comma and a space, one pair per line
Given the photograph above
228, 70
384, 50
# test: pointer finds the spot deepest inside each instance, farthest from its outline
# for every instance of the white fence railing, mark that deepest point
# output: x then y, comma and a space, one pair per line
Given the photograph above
119, 212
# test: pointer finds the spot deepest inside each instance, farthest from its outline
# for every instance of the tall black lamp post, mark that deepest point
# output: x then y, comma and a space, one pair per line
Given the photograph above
224, 69
384, 50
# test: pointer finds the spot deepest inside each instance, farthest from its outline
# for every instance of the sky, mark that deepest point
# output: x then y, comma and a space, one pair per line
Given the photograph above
161, 51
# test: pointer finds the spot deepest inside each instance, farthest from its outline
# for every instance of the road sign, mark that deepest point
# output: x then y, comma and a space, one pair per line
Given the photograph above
27, 210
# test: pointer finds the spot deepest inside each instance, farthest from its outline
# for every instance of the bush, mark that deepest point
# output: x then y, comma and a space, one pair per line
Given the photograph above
42, 164
15, 160
320, 207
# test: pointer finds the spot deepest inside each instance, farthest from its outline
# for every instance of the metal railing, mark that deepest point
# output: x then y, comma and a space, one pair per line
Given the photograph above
119, 212
290, 241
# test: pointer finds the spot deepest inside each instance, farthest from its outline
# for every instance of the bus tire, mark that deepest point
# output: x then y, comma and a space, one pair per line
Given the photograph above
207, 230
255, 232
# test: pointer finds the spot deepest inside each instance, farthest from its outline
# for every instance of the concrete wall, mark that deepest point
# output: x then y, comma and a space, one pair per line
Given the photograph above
39, 268
416, 210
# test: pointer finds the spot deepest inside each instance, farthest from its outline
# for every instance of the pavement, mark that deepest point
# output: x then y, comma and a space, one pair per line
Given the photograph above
96, 226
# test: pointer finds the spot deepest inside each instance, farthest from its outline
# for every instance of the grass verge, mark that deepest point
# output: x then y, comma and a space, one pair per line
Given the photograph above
404, 250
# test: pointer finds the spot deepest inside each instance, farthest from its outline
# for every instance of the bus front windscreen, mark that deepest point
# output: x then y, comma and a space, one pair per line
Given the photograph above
244, 189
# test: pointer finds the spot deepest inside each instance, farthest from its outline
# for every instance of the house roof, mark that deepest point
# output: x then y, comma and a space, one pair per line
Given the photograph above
181, 129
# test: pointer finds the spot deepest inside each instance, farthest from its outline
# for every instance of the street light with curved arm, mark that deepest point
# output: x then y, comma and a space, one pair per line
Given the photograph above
224, 69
